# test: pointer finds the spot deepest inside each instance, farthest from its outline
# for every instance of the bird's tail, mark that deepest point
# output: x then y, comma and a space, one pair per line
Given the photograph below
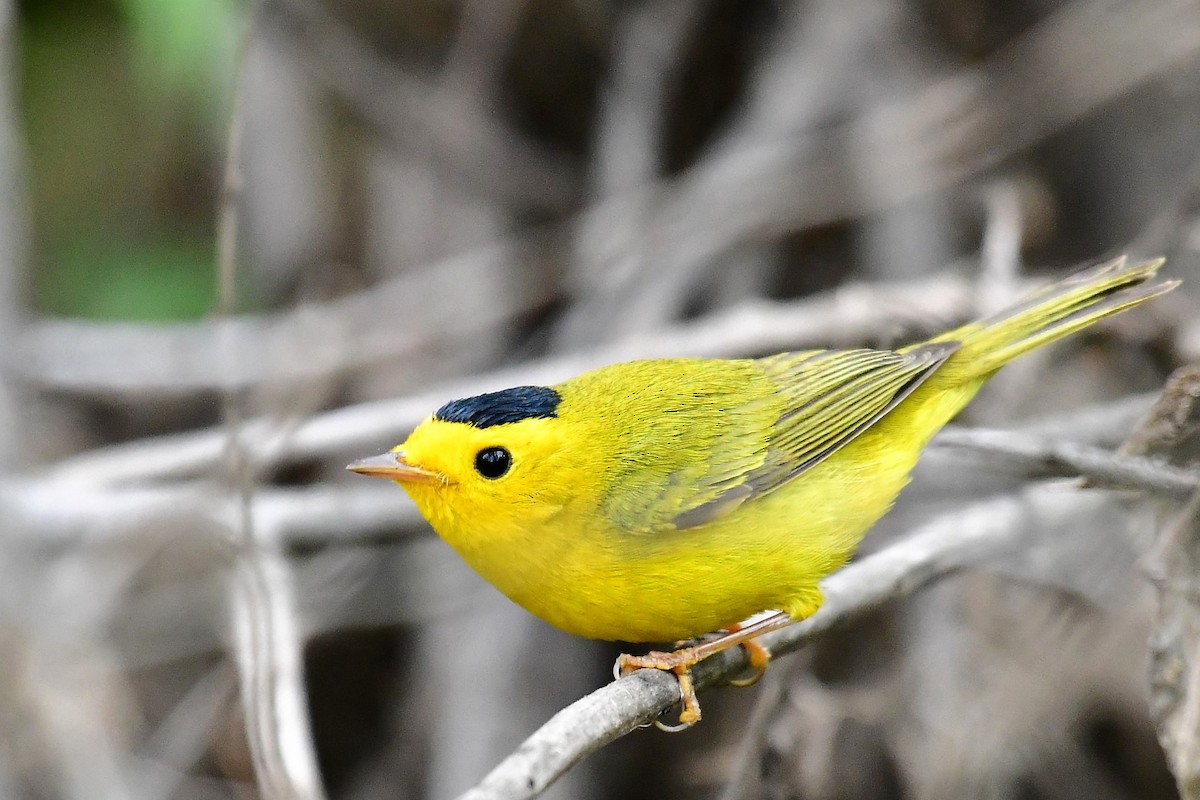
1051, 313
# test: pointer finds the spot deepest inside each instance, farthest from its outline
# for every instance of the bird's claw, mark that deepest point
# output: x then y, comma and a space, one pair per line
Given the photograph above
759, 656
679, 663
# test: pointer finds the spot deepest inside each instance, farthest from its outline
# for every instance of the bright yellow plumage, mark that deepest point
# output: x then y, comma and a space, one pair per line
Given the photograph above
660, 500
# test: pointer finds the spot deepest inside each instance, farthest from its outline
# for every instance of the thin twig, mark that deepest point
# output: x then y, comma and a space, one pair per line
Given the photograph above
1001, 254
743, 776
475, 60
1045, 457
183, 735
267, 641
14, 239
648, 44
1173, 420
483, 154
1171, 565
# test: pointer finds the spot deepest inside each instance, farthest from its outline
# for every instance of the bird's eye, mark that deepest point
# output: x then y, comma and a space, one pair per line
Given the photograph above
493, 462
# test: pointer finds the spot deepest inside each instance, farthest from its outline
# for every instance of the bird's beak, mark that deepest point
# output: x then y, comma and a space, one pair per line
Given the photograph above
394, 467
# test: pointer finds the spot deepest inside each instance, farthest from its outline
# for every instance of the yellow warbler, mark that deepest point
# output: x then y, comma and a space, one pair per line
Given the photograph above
659, 500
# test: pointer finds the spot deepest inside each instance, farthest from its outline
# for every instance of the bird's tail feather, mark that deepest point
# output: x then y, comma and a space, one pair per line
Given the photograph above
1053, 312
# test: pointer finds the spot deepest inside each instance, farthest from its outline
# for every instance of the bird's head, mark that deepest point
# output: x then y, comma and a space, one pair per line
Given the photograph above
485, 467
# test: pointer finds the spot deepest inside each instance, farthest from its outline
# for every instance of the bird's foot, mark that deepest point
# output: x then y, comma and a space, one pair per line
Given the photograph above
679, 662
759, 656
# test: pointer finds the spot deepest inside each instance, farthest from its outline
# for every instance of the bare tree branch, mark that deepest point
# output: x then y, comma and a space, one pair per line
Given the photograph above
1172, 431
481, 44
1001, 256
741, 190
182, 737
1175, 648
961, 126
611, 239
349, 513
267, 645
401, 317
1044, 457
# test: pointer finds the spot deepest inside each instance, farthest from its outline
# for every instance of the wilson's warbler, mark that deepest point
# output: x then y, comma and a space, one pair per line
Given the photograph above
659, 500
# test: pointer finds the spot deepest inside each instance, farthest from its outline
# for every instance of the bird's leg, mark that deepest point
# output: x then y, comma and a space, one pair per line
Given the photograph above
757, 654
681, 661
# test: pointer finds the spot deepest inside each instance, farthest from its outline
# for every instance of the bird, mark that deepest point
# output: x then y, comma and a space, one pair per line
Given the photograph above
661, 500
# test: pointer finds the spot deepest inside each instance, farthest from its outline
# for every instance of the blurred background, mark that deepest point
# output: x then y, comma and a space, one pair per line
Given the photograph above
431, 199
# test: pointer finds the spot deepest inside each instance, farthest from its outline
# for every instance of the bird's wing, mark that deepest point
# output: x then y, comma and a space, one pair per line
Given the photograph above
829, 398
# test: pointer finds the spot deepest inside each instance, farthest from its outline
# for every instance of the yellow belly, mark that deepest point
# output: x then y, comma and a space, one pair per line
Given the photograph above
769, 554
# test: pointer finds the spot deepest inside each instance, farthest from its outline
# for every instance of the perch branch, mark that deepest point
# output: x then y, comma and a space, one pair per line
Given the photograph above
940, 547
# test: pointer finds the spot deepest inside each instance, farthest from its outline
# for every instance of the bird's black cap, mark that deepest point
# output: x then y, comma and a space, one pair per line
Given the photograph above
499, 408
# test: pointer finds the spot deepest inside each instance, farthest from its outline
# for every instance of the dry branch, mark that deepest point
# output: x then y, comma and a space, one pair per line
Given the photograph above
1042, 458
1171, 429
1175, 648
951, 130
268, 650
1173, 566
320, 514
401, 317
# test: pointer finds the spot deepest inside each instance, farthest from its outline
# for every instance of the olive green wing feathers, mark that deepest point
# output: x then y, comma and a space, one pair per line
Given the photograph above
677, 434
834, 396
698, 438
827, 399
